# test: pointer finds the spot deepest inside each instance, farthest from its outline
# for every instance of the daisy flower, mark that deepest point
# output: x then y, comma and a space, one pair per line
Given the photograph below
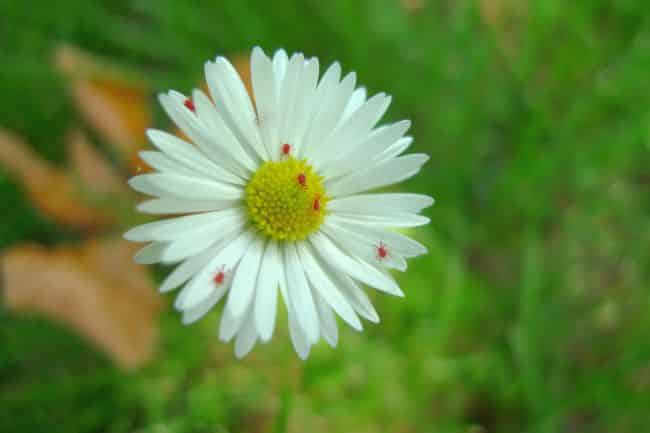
275, 196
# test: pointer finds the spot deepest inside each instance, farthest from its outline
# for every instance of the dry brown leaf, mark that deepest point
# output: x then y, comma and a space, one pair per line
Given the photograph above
413, 6
116, 107
93, 170
507, 19
94, 288
51, 190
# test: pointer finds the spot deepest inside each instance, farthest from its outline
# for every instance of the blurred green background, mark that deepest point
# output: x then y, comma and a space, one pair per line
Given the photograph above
530, 314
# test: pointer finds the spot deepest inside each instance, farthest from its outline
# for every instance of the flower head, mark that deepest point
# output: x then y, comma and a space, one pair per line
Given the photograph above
275, 198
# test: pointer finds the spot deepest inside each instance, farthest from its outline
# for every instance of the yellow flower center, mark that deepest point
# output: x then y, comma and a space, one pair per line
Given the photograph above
286, 200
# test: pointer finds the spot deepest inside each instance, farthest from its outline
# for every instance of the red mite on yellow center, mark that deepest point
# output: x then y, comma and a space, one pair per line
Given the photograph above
302, 179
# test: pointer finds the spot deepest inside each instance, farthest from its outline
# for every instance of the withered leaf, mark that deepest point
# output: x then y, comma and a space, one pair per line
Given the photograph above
413, 6
507, 19
50, 189
94, 288
113, 103
92, 169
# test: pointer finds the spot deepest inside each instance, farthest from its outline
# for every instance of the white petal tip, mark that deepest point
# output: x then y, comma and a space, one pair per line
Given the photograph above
140, 260
165, 288
357, 326
132, 236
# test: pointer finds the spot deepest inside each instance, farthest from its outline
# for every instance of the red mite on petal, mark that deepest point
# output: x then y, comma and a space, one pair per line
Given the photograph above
382, 252
286, 148
302, 179
219, 277
190, 105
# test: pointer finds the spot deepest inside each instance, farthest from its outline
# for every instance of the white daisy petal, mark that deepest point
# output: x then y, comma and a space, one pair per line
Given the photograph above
288, 96
246, 337
200, 286
229, 325
280, 62
395, 149
300, 294
243, 285
224, 145
323, 97
377, 176
275, 192
304, 107
325, 288
267, 291
192, 188
263, 81
403, 245
327, 321
194, 314
187, 155
357, 298
374, 146
353, 130
235, 106
201, 239
175, 228
357, 269
329, 115
188, 268
150, 254
164, 164
363, 248
144, 185
357, 99
391, 220
381, 204
168, 206
204, 138
298, 338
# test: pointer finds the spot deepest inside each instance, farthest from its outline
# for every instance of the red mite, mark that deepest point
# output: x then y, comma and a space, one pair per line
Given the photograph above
317, 204
286, 148
302, 179
219, 277
382, 252
190, 105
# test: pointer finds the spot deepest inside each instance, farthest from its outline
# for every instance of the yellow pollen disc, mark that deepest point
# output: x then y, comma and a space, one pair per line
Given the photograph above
281, 197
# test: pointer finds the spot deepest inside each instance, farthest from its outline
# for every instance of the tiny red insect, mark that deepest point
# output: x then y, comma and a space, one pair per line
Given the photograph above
302, 179
219, 277
382, 252
190, 105
286, 148
317, 204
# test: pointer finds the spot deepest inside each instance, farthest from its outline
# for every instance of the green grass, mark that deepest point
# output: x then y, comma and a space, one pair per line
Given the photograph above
530, 314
